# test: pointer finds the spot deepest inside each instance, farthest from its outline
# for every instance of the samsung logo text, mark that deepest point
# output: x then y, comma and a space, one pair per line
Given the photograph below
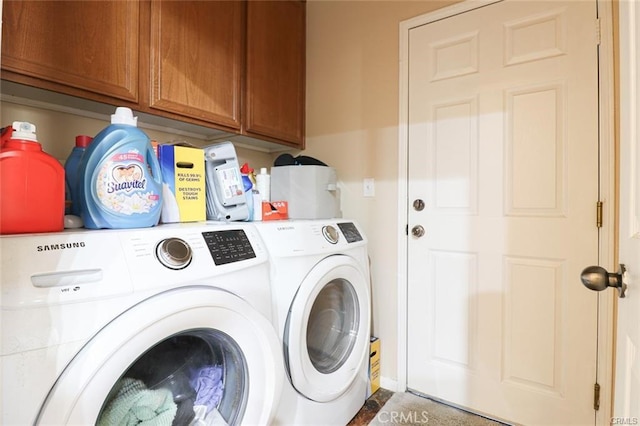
61, 246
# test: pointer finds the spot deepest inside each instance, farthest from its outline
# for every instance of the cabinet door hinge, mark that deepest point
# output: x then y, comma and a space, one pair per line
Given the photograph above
599, 214
598, 33
596, 396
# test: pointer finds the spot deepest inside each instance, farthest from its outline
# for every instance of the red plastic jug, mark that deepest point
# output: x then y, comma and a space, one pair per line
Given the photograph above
31, 183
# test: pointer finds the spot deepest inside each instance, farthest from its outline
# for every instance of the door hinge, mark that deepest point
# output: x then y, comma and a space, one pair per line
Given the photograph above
598, 33
406, 230
599, 214
596, 396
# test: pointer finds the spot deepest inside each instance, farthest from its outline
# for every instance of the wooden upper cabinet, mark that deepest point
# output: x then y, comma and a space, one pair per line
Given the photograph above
274, 102
196, 59
85, 47
234, 66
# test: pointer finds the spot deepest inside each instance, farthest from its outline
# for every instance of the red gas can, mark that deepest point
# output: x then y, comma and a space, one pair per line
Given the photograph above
31, 183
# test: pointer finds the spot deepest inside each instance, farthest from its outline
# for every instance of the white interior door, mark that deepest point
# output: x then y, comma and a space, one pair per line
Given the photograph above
627, 383
503, 153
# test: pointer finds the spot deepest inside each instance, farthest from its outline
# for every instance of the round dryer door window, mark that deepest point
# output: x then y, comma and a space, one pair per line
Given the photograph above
327, 331
191, 355
332, 327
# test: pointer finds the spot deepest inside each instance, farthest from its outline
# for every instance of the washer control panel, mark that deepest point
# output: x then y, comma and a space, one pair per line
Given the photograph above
228, 246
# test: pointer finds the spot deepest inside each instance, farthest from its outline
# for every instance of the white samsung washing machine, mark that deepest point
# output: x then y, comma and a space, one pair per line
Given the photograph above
320, 286
166, 325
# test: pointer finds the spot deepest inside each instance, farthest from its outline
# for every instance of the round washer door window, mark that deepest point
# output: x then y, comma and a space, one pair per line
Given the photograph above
327, 330
194, 377
226, 329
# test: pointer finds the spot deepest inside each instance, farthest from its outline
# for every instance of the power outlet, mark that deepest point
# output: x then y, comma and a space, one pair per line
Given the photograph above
369, 187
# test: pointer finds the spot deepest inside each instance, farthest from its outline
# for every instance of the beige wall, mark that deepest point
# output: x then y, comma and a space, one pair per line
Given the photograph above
56, 131
352, 125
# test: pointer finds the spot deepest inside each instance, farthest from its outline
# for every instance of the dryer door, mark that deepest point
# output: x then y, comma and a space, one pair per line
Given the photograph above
192, 353
327, 331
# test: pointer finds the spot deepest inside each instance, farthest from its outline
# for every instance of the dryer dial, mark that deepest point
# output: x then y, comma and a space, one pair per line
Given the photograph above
174, 253
330, 234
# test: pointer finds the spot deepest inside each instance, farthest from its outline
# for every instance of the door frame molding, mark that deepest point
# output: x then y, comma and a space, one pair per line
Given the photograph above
628, 14
607, 150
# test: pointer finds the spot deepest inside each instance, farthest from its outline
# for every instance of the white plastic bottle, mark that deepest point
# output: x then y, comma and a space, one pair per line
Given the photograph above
263, 182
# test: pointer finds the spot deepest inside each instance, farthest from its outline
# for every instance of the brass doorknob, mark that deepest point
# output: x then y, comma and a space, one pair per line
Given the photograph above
597, 278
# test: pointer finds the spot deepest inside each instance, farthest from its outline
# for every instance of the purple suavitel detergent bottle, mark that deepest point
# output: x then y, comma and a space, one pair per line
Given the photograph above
120, 177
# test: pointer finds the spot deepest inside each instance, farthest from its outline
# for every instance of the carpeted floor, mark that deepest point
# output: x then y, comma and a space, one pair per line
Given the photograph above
403, 408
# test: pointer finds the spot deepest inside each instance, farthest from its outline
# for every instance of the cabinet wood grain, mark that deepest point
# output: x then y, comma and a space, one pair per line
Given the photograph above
275, 84
89, 46
197, 59
234, 66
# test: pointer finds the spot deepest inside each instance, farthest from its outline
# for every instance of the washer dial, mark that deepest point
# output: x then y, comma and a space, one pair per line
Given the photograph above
174, 253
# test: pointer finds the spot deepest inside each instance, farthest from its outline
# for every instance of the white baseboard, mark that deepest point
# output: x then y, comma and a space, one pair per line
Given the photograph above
390, 384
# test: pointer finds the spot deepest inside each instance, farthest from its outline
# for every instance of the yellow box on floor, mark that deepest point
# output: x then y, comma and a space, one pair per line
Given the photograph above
374, 364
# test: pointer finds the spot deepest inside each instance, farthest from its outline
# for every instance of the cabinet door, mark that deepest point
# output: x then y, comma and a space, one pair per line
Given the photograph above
73, 46
196, 59
274, 99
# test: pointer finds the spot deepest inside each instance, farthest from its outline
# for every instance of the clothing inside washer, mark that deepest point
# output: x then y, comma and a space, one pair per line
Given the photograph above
195, 378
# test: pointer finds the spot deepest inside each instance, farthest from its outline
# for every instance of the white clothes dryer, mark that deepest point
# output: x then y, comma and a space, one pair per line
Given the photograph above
166, 325
320, 282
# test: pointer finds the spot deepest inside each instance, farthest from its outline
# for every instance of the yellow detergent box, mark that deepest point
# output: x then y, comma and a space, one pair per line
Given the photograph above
374, 364
183, 183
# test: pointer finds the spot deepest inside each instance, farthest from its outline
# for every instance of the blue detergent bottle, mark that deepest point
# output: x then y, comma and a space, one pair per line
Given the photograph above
120, 177
71, 167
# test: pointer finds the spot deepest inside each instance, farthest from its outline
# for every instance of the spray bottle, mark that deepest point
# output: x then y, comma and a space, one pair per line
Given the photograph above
246, 172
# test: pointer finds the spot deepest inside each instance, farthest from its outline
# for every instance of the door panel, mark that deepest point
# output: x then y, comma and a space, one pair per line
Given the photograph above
503, 149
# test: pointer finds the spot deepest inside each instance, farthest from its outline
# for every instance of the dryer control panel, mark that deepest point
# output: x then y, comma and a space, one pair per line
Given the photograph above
307, 237
351, 233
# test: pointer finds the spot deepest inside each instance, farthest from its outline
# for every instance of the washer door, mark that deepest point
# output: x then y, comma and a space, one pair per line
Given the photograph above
158, 350
327, 331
